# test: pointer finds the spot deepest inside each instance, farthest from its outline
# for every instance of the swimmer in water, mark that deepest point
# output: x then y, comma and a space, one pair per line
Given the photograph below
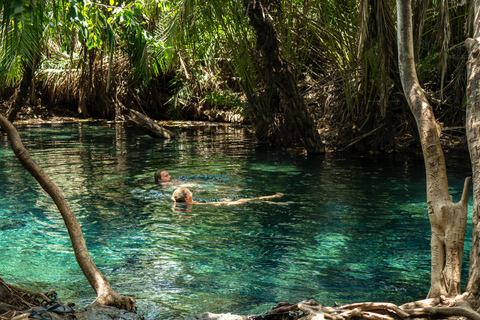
165, 179
162, 176
184, 195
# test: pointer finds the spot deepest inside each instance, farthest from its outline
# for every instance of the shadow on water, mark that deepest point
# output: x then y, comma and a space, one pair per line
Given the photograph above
347, 229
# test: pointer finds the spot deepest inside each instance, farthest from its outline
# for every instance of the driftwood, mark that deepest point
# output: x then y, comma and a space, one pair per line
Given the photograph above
149, 126
311, 310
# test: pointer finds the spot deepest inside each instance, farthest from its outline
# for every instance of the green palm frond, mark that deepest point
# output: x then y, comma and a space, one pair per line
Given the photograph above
23, 30
20, 45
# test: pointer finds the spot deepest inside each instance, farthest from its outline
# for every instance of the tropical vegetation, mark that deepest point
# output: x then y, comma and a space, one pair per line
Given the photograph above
311, 73
290, 69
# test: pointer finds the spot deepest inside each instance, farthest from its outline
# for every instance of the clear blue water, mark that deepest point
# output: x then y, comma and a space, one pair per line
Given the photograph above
348, 229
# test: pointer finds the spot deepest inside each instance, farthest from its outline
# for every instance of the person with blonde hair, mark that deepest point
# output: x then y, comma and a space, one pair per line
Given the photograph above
184, 195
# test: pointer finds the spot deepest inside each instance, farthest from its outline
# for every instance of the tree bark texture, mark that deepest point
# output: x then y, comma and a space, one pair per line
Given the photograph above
84, 89
20, 96
447, 219
105, 294
279, 103
473, 138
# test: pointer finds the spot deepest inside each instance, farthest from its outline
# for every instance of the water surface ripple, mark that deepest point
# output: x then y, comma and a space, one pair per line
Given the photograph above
348, 229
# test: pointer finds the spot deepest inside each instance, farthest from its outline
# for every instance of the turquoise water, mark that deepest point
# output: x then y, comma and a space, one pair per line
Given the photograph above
347, 229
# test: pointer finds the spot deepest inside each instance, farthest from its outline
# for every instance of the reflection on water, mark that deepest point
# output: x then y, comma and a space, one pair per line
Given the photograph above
346, 230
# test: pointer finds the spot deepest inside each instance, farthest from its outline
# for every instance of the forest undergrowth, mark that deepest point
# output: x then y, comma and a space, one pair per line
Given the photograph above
325, 100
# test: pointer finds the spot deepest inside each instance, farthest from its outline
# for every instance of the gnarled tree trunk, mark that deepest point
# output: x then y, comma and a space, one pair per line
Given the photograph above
447, 219
279, 110
20, 96
105, 294
473, 138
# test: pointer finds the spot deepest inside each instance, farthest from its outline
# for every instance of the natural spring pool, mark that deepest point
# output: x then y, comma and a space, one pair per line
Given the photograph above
348, 229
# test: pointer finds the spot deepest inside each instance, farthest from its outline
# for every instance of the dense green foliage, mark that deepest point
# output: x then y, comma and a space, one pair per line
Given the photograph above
204, 60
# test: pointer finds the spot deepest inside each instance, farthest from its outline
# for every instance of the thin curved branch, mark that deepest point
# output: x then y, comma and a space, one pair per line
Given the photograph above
105, 294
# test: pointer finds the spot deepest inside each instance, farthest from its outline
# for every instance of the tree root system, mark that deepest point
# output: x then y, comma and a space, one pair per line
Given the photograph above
311, 310
13, 298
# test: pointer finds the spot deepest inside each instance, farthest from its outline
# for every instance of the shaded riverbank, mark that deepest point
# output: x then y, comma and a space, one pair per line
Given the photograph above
453, 138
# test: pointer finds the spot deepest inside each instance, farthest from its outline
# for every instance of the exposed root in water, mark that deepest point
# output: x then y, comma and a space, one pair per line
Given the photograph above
311, 310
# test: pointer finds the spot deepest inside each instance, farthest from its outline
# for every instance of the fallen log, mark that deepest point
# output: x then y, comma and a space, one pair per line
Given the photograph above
148, 126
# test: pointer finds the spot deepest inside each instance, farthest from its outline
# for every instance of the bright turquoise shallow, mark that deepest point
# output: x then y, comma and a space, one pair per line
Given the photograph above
346, 230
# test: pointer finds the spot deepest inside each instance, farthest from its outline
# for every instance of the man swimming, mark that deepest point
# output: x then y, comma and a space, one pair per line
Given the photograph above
165, 179
162, 176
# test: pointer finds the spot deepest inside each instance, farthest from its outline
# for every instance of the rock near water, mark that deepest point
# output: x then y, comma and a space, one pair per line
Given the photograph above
101, 312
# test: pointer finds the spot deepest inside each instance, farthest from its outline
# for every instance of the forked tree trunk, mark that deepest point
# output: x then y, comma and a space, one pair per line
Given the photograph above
447, 219
473, 138
105, 294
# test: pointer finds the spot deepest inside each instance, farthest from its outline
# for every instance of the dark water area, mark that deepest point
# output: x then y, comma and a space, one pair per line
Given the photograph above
348, 229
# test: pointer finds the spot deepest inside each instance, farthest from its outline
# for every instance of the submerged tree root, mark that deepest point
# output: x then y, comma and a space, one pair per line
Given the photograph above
311, 310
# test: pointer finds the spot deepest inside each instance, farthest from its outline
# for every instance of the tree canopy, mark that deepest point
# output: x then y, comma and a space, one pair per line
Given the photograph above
215, 60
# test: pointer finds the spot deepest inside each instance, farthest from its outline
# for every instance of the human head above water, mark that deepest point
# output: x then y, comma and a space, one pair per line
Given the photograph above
182, 194
162, 176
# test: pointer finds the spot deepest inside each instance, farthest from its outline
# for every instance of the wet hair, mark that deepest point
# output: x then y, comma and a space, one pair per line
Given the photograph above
180, 194
158, 175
